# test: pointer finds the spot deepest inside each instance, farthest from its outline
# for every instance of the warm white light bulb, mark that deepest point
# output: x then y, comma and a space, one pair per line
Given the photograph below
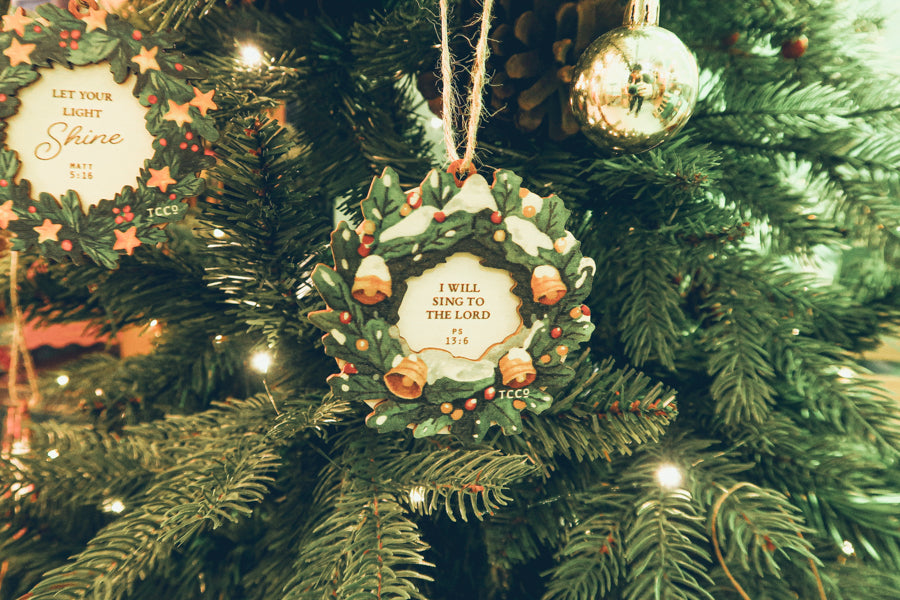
98, 392
847, 548
153, 322
218, 233
669, 476
417, 496
54, 453
114, 505
260, 362
62, 380
251, 55
846, 373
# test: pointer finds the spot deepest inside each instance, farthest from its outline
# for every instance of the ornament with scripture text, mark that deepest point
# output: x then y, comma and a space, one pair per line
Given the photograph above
105, 136
454, 306
635, 86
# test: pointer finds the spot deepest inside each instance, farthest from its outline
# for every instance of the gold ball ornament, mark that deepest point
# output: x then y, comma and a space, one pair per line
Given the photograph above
635, 86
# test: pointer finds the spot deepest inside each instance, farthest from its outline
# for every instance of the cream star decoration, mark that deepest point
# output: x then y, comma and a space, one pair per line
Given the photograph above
146, 59
126, 240
203, 102
19, 53
179, 113
160, 178
47, 231
95, 19
16, 21
7, 214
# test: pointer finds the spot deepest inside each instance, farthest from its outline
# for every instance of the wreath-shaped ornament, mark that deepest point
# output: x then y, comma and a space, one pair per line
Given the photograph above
77, 140
454, 306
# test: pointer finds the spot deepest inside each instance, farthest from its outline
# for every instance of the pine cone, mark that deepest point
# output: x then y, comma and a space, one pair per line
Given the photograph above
534, 47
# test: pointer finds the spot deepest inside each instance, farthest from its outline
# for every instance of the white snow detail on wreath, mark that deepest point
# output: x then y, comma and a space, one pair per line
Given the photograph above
585, 264
413, 225
443, 364
474, 197
526, 235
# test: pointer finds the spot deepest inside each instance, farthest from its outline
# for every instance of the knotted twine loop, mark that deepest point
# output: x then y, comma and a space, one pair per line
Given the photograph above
75, 6
462, 167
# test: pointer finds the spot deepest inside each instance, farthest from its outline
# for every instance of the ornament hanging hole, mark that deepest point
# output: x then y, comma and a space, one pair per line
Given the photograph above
459, 173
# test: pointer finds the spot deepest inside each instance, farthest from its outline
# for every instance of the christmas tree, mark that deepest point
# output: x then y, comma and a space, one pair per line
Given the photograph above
713, 440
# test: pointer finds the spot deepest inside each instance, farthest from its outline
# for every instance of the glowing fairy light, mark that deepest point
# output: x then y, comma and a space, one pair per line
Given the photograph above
98, 392
51, 454
417, 496
847, 548
846, 373
251, 55
218, 233
113, 505
153, 322
260, 362
669, 476
62, 380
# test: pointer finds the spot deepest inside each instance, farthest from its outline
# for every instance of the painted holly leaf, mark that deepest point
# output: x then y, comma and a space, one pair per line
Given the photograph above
358, 386
12, 78
344, 247
384, 196
9, 165
552, 218
9, 108
500, 412
332, 287
392, 416
93, 48
437, 188
431, 426
506, 191
444, 388
382, 347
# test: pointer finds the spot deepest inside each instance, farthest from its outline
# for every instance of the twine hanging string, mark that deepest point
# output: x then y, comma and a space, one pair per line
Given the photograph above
476, 101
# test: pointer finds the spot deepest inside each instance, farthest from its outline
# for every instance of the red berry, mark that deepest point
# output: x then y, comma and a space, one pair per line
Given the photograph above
440, 217
127, 208
116, 210
363, 250
489, 393
194, 147
32, 209
3, 183
64, 34
179, 67
345, 317
350, 369
189, 136
137, 35
76, 34
496, 217
795, 48
37, 29
585, 310
470, 404
62, 44
163, 142
120, 219
73, 45
152, 99
66, 245
555, 332
368, 239
183, 145
129, 217
414, 198
172, 196
2, 97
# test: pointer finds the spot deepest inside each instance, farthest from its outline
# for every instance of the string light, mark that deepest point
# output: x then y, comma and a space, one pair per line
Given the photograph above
218, 233
417, 496
669, 476
847, 548
153, 322
62, 380
260, 362
113, 505
251, 55
846, 373
51, 454
98, 392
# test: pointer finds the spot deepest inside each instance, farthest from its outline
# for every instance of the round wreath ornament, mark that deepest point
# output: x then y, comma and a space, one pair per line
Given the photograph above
91, 107
454, 306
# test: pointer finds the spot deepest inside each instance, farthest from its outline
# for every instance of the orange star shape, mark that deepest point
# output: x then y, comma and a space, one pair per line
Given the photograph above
126, 240
95, 19
19, 53
179, 113
16, 22
160, 178
47, 231
7, 214
203, 102
146, 59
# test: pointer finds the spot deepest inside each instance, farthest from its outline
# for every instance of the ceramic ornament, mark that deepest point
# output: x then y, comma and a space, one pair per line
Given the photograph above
454, 306
104, 134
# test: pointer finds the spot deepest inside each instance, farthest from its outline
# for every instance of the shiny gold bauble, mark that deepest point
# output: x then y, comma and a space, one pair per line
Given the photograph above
635, 86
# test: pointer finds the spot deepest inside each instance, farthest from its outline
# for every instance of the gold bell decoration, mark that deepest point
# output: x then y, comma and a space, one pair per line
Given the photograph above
407, 378
517, 369
547, 286
372, 282
636, 86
